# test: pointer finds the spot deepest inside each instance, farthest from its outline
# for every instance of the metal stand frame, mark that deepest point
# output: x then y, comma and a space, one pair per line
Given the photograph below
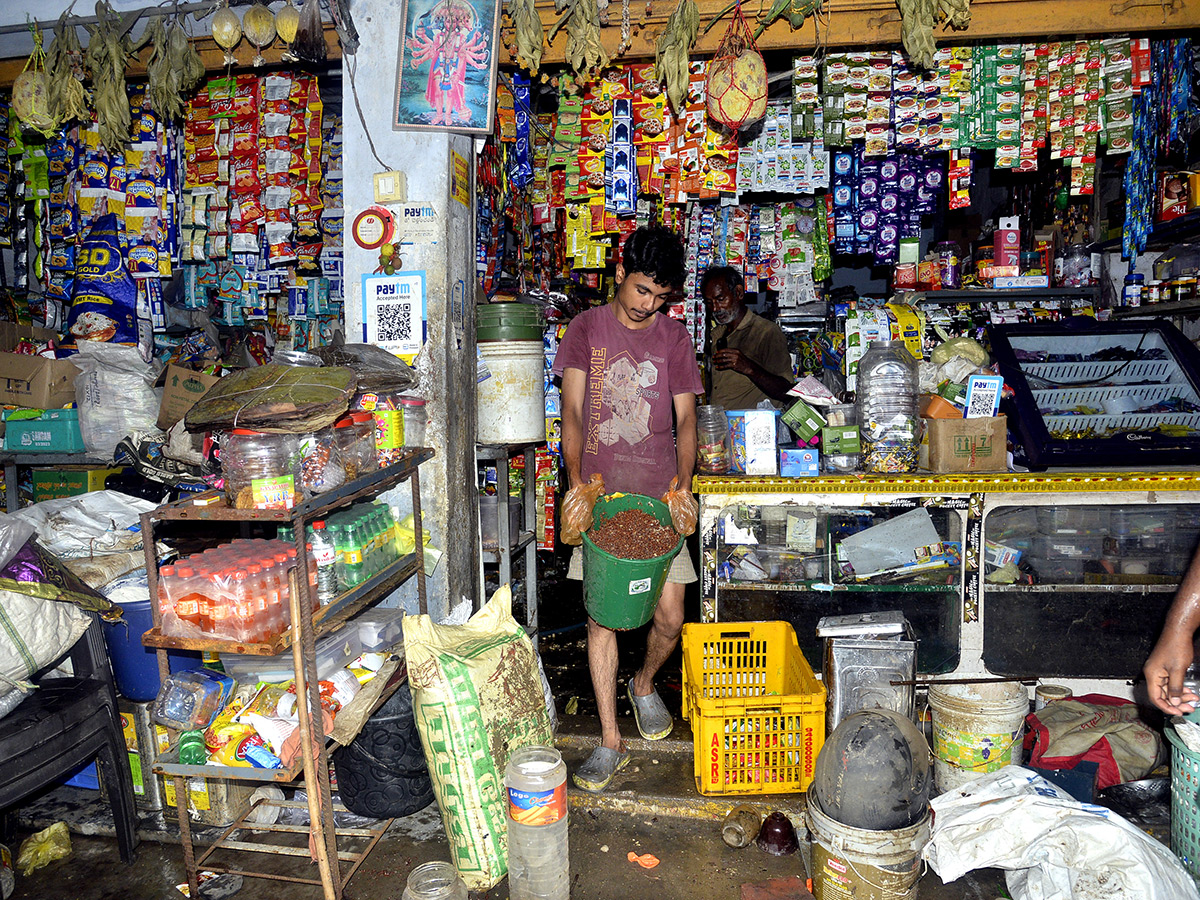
306, 626
526, 541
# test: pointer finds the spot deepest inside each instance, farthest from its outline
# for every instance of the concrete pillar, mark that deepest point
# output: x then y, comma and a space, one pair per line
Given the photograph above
448, 261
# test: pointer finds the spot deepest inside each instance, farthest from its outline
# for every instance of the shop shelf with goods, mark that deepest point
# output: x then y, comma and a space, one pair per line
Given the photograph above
306, 625
13, 461
1045, 559
508, 546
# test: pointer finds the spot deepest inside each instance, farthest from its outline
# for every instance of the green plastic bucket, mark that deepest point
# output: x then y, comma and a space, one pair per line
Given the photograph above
622, 593
508, 322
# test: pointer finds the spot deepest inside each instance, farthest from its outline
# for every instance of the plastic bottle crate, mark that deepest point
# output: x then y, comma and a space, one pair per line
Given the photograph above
1185, 812
757, 710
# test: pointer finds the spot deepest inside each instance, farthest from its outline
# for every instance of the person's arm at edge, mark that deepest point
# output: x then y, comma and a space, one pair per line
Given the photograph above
1173, 653
571, 393
685, 439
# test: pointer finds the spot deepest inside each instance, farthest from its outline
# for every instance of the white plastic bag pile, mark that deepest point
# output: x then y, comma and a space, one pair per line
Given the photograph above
115, 393
1052, 846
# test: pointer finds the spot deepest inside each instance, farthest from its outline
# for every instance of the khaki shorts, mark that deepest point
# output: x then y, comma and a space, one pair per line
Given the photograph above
681, 572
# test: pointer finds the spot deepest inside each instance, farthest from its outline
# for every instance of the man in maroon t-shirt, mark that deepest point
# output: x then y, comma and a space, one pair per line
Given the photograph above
629, 373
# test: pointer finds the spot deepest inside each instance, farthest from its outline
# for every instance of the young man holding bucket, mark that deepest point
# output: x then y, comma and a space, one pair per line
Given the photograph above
627, 371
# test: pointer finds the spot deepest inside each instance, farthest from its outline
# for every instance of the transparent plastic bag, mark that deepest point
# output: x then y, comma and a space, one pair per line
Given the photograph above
683, 506
577, 509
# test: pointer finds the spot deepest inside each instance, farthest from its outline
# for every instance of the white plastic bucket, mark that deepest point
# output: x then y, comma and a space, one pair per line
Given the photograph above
857, 864
976, 729
511, 403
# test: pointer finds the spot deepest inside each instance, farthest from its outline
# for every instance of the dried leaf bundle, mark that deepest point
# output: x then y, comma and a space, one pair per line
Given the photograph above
671, 51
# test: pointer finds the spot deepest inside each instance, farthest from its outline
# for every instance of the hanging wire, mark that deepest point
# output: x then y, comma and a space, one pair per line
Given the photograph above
352, 70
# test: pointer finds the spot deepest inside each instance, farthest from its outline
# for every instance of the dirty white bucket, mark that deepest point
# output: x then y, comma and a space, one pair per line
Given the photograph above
511, 402
976, 729
864, 865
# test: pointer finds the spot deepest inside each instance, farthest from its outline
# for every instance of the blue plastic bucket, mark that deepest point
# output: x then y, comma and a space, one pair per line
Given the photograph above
135, 667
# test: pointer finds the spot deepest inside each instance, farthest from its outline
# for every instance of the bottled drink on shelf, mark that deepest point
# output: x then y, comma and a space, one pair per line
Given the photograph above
166, 589
535, 781
325, 555
187, 597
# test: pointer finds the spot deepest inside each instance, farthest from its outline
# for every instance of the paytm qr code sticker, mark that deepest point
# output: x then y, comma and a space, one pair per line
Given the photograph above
983, 396
394, 312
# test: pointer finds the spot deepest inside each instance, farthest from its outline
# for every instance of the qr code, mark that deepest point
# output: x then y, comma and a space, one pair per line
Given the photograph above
394, 321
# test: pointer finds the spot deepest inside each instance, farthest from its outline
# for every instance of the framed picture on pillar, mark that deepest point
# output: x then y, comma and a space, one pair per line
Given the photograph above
446, 71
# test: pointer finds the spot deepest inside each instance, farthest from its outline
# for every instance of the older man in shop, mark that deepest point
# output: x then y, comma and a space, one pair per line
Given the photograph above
750, 359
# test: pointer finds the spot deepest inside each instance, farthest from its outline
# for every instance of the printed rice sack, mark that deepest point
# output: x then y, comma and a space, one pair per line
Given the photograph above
477, 697
104, 306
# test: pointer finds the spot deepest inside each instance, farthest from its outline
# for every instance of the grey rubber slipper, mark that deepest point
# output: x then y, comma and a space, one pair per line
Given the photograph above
650, 713
597, 772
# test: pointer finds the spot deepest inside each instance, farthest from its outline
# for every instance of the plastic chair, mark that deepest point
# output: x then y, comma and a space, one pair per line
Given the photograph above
64, 724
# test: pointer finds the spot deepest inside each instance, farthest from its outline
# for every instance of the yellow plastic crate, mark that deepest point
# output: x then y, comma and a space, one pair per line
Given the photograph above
757, 710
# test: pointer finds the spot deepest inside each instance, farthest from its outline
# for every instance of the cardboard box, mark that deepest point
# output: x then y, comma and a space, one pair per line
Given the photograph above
804, 421
69, 481
840, 440
181, 389
32, 381
799, 462
1009, 282
1008, 242
967, 445
1172, 195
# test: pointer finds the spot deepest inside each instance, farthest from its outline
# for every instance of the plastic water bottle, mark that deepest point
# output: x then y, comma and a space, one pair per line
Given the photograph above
325, 554
887, 408
538, 859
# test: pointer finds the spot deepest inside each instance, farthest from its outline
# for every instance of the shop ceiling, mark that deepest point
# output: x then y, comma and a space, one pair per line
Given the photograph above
16, 43
872, 23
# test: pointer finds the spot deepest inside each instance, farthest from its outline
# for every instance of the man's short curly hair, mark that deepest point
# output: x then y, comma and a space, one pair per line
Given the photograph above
656, 251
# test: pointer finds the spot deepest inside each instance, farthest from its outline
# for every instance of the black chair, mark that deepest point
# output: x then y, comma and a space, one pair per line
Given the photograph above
63, 724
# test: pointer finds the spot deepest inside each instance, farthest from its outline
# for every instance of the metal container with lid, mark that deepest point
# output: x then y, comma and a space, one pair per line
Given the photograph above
864, 653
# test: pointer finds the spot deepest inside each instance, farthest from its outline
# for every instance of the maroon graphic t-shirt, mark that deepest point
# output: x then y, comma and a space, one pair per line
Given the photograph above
628, 409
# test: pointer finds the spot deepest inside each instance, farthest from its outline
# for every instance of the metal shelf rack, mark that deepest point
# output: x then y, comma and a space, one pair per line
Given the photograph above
526, 540
301, 638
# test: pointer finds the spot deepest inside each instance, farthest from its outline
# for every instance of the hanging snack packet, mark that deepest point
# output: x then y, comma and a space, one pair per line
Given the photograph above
104, 307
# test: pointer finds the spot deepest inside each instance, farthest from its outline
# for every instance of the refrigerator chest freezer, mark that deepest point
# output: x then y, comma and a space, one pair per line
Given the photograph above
1101, 394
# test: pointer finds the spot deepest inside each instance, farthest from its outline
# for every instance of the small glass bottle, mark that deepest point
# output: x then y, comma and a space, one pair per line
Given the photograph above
434, 881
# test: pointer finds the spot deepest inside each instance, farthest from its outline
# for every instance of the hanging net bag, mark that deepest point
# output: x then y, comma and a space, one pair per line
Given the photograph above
31, 91
737, 77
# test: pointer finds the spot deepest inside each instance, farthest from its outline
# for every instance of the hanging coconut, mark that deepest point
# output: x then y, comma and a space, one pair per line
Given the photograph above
737, 78
286, 22
258, 25
226, 31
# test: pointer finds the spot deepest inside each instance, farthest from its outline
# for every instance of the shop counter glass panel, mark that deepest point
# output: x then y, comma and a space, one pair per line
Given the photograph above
1081, 591
801, 563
